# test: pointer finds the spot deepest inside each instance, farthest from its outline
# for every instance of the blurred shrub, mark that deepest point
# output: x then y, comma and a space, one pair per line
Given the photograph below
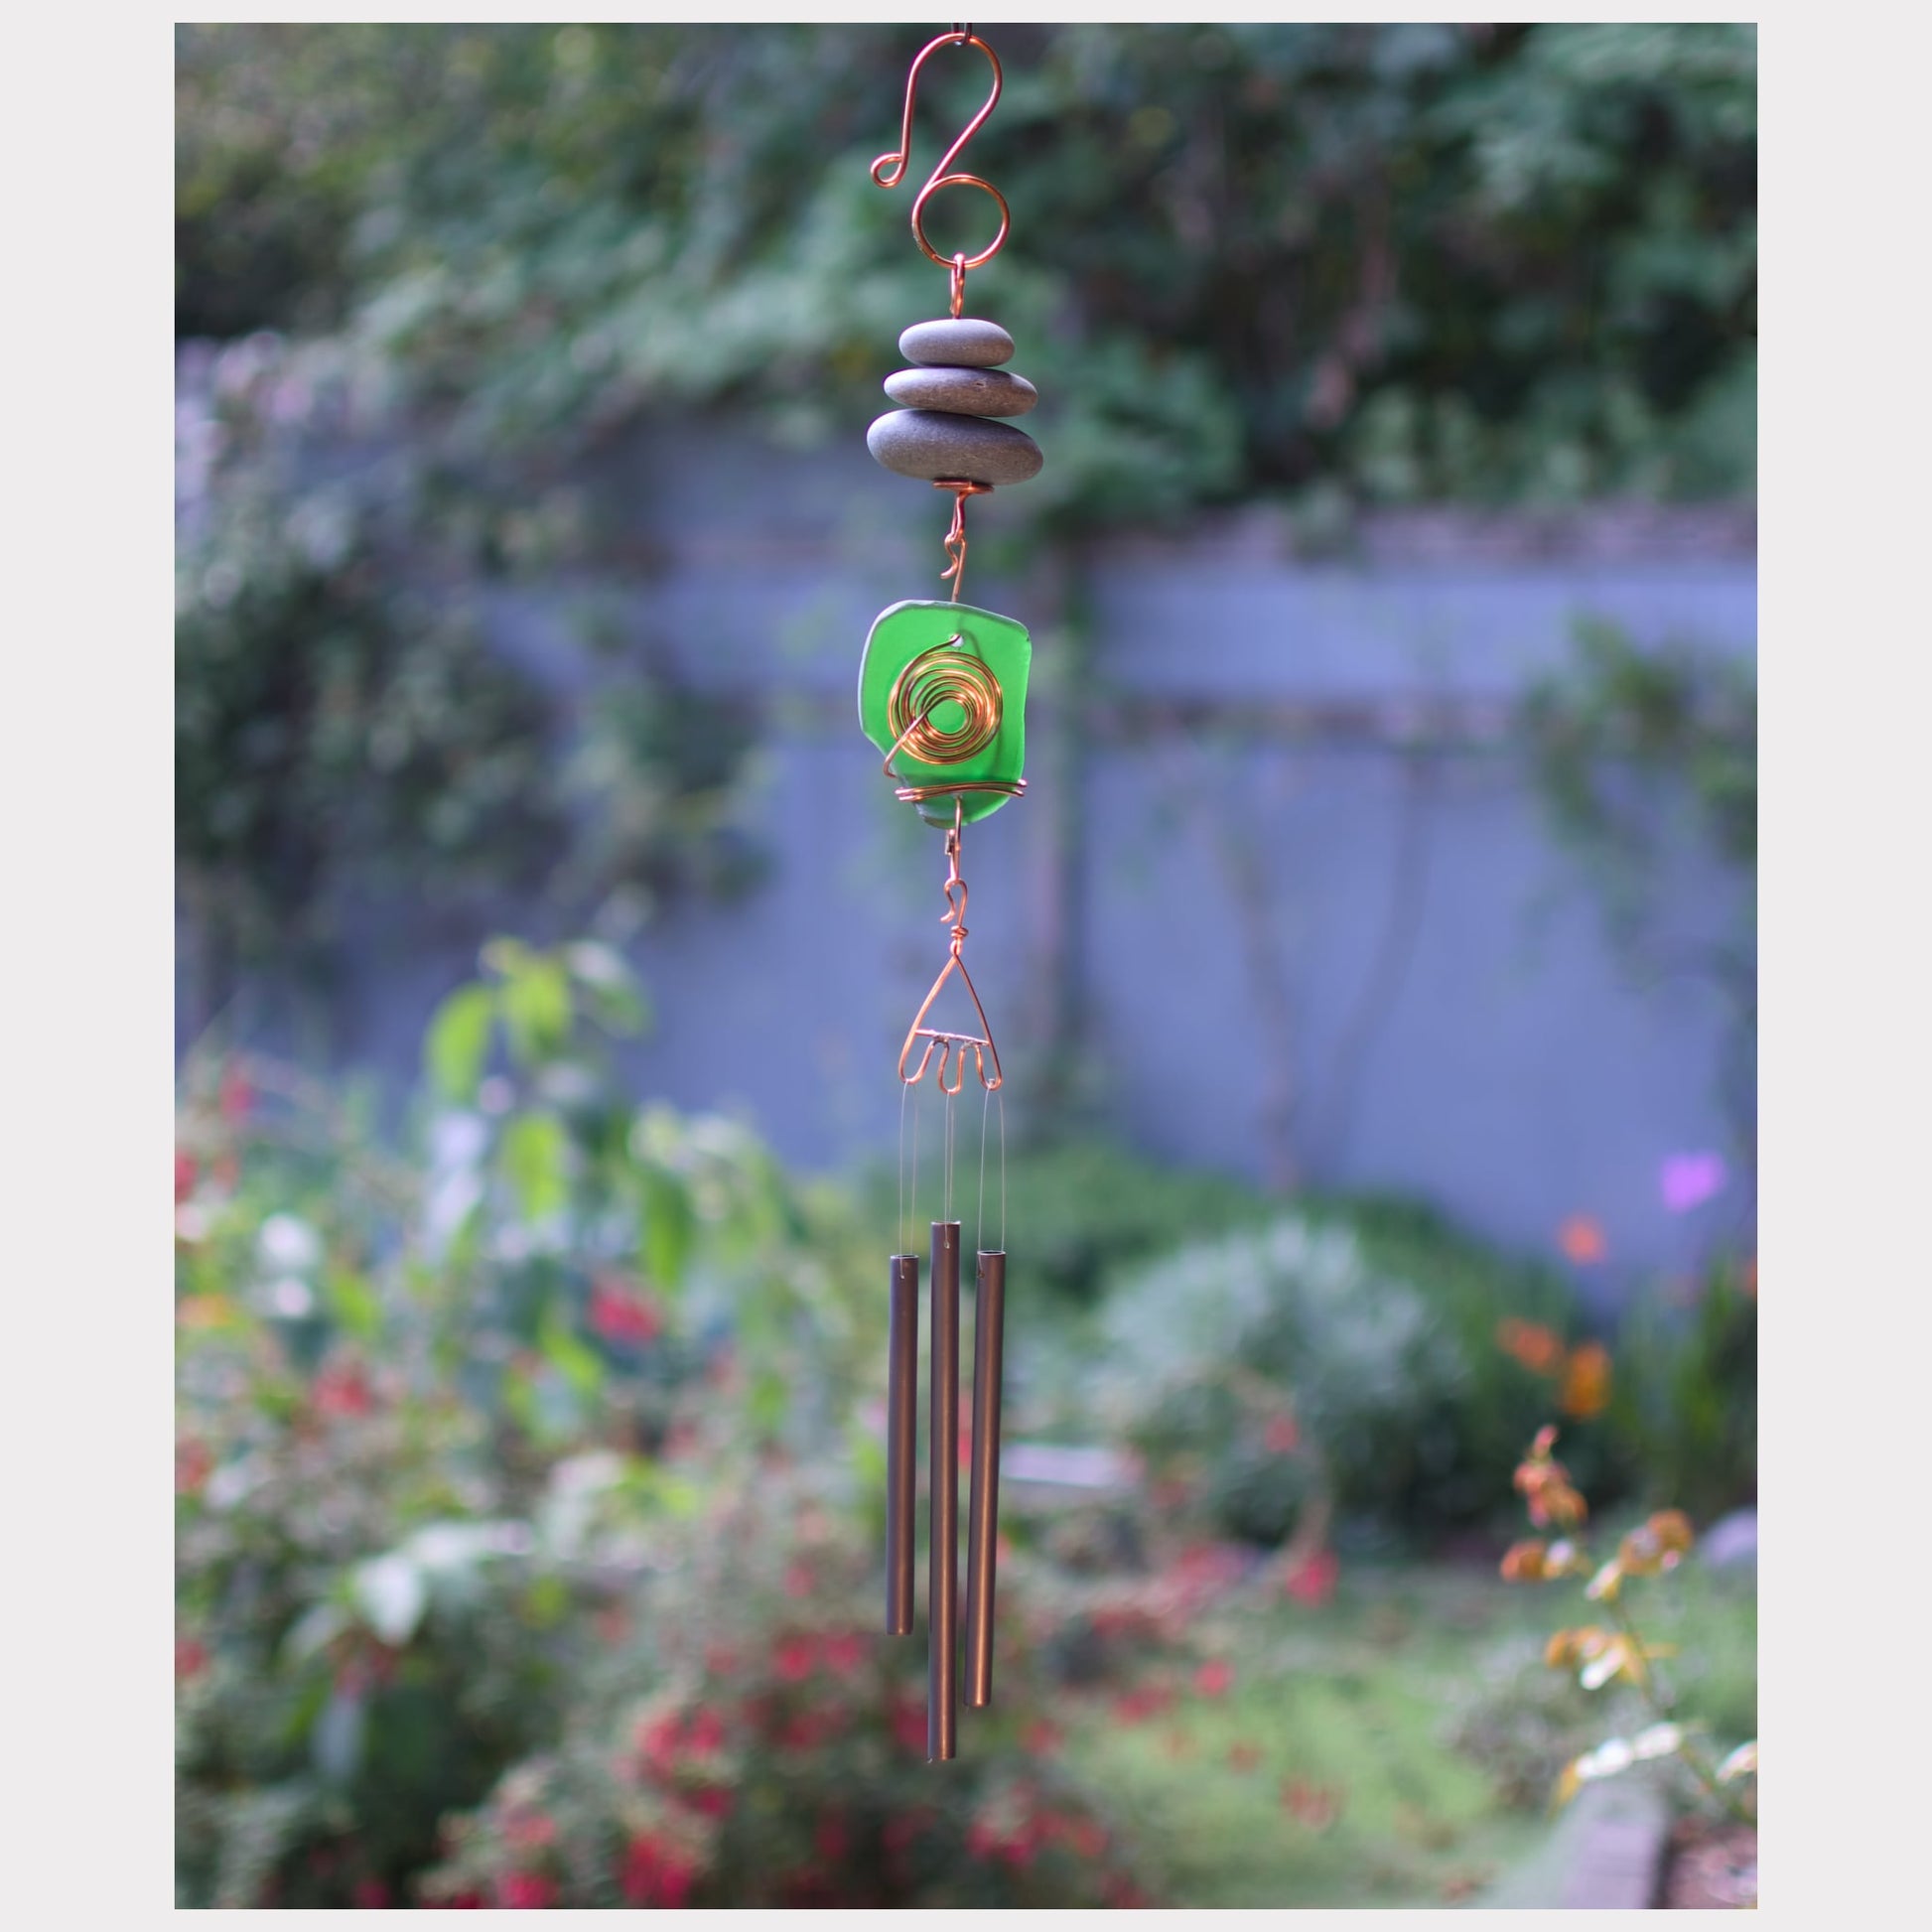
1685, 1411
1084, 1208
753, 1741
433, 1413
1293, 1366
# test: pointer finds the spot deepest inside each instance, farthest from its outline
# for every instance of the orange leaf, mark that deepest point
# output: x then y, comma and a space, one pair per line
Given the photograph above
1581, 1239
1586, 1382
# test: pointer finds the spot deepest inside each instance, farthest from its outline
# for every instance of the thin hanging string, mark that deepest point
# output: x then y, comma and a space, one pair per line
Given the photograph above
900, 1226
909, 1249
979, 1221
947, 1214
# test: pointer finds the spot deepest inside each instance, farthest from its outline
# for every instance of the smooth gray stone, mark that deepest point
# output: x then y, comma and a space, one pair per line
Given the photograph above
966, 392
934, 443
957, 343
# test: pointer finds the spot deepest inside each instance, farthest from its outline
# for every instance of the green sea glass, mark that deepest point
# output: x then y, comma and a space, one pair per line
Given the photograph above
904, 633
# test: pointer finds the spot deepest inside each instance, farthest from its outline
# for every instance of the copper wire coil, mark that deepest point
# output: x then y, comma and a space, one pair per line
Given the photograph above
945, 675
940, 676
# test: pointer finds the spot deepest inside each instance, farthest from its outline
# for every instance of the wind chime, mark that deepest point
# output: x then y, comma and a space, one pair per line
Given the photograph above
942, 694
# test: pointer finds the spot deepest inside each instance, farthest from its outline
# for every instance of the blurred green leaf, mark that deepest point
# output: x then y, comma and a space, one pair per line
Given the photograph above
572, 1357
354, 1303
768, 1399
615, 999
536, 1008
458, 1041
535, 1156
669, 1227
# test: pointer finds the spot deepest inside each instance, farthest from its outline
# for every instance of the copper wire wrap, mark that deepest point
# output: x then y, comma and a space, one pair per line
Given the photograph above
889, 169
946, 674
952, 1045
955, 538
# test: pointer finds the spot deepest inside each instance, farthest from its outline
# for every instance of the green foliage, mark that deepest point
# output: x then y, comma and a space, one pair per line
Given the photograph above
1623, 737
430, 1408
335, 718
1094, 1218
341, 720
1685, 1409
1246, 258
1085, 1208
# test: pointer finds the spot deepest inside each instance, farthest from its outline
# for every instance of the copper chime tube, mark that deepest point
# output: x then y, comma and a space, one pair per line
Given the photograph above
901, 1443
942, 1581
983, 1514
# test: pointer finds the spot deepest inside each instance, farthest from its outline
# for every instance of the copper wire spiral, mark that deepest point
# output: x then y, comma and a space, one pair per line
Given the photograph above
937, 678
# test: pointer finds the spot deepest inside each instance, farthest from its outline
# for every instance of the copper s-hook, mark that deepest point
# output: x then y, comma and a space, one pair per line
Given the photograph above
889, 169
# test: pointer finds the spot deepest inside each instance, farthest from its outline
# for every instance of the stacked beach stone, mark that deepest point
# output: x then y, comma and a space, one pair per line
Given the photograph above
946, 432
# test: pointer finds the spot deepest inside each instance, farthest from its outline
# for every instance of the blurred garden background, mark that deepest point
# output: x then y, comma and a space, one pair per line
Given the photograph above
1372, 961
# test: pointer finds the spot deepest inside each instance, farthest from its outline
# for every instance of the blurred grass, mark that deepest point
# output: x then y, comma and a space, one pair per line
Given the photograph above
1359, 1702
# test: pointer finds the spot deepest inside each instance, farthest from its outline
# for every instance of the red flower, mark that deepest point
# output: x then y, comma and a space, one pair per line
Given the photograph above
529, 1891
190, 1659
530, 1829
711, 1801
619, 1314
707, 1732
185, 1171
831, 1838
1243, 1756
1314, 1582
237, 1096
657, 1740
343, 1390
1147, 1702
1280, 1437
1215, 1677
908, 1724
193, 1463
371, 1894
656, 1873
1316, 1806
1041, 1737
845, 1654
457, 1901
807, 1731
794, 1658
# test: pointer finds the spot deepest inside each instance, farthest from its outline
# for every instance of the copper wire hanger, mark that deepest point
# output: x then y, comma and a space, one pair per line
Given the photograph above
953, 1044
889, 169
